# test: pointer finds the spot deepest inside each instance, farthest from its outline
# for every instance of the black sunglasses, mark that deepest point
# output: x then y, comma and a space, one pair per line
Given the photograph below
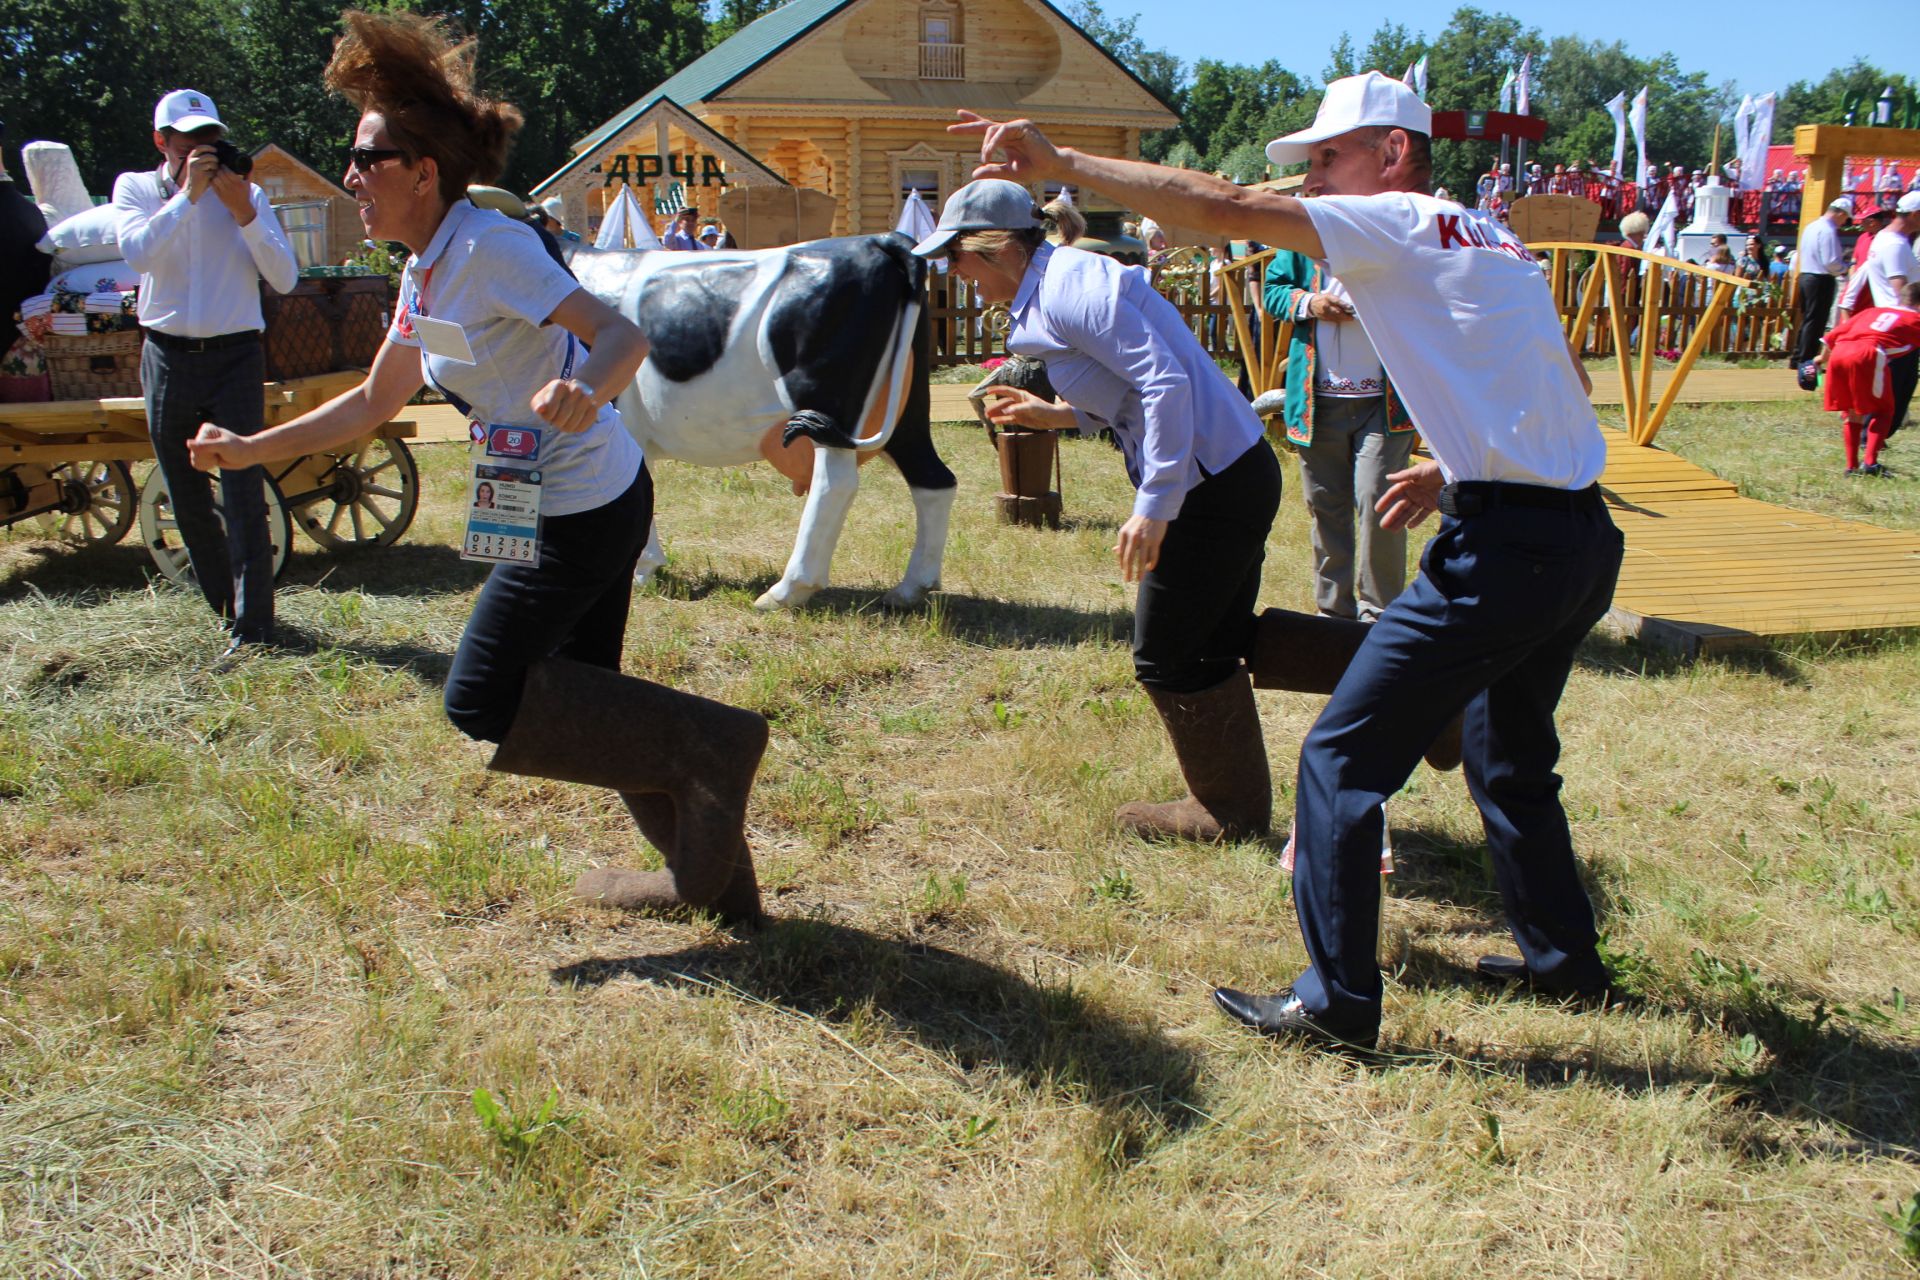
364, 158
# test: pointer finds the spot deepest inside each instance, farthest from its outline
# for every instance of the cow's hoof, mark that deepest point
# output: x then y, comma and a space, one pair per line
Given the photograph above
784, 595
904, 597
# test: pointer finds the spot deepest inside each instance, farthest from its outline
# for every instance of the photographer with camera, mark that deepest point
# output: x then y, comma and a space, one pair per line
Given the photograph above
201, 261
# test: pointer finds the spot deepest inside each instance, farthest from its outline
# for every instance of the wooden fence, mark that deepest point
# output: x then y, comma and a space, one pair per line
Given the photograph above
967, 332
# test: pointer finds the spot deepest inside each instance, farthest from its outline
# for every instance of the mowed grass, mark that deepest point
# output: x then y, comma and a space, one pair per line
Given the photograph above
266, 937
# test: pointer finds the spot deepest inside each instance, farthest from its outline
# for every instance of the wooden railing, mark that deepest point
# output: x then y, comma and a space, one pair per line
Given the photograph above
966, 331
943, 62
1638, 307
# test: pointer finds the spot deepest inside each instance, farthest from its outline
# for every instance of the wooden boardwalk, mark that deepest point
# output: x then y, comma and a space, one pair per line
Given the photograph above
1707, 569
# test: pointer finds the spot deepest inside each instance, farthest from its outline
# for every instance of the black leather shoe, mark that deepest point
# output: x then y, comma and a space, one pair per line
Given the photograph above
1283, 1014
1514, 969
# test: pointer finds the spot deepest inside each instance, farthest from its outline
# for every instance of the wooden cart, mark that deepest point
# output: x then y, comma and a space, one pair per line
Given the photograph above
68, 464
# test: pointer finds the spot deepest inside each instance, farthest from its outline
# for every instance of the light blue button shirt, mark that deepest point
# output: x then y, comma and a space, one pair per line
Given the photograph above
1119, 353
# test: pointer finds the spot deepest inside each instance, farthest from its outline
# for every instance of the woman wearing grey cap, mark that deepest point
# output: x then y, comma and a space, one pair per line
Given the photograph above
1207, 485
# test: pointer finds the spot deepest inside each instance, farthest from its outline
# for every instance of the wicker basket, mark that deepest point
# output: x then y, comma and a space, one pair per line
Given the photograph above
94, 367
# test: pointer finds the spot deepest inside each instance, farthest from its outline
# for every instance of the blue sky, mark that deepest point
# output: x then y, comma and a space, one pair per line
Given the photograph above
1761, 45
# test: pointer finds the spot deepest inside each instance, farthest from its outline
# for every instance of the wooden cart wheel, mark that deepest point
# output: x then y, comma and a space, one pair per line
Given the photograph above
99, 502
365, 498
161, 531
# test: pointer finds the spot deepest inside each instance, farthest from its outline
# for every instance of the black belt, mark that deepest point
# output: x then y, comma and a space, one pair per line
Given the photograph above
219, 342
1472, 497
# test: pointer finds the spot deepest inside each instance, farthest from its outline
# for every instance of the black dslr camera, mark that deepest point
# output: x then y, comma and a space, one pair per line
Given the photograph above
232, 157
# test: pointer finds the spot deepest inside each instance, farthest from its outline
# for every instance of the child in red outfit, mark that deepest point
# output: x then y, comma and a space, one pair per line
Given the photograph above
1858, 386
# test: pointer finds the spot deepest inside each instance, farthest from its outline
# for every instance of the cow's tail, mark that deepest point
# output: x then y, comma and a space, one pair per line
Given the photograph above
890, 379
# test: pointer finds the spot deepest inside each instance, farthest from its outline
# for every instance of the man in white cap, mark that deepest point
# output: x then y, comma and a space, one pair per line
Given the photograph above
1521, 569
1822, 264
554, 210
202, 238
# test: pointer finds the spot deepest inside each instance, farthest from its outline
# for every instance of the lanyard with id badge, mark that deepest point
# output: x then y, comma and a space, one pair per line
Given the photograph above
504, 463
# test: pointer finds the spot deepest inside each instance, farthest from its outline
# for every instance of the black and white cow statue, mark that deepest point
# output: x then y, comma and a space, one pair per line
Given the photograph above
803, 356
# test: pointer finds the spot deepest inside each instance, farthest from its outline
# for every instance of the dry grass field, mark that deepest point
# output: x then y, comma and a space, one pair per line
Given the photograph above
291, 985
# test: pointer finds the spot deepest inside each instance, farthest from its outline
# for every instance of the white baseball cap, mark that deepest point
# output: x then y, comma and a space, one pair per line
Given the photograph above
1909, 203
554, 207
185, 110
1355, 102
985, 204
1844, 204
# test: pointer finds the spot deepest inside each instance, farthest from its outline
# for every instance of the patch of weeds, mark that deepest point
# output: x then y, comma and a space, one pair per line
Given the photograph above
346, 746
16, 768
921, 719
940, 896
1092, 772
1861, 902
1632, 971
118, 761
1493, 1146
967, 1132
515, 1133
823, 808
1115, 886
1006, 715
756, 1111
345, 611
1905, 1222
470, 868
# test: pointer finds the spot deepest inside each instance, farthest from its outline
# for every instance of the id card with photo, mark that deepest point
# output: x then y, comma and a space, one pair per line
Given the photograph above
503, 512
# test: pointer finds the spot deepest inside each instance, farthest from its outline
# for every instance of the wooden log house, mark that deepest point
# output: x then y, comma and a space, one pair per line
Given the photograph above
852, 98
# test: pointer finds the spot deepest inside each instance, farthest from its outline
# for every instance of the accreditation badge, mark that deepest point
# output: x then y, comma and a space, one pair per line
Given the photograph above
503, 496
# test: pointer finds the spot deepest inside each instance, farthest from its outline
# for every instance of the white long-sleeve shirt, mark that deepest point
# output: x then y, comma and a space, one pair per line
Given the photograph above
199, 269
1119, 352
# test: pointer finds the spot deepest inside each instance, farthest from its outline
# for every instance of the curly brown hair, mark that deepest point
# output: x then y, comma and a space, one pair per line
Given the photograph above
411, 71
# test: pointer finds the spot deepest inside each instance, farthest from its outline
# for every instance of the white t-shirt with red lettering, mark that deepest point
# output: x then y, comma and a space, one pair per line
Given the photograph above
1466, 327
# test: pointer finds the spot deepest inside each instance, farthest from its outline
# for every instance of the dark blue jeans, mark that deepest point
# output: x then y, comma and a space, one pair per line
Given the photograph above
1491, 623
1193, 618
232, 565
573, 604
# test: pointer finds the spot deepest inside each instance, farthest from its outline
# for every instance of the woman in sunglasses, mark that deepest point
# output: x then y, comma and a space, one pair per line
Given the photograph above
503, 331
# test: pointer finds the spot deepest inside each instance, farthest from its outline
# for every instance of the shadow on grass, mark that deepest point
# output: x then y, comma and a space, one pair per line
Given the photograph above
87, 576
970, 1012
1793, 1057
975, 619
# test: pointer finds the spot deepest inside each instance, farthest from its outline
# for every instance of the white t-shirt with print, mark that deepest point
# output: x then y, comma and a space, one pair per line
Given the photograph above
1890, 256
491, 276
1466, 327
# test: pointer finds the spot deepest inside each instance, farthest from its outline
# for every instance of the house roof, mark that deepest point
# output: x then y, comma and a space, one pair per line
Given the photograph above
716, 70
338, 191
683, 119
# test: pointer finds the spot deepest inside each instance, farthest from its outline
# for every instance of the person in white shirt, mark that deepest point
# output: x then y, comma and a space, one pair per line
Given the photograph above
498, 326
680, 232
1891, 265
202, 238
1822, 264
1521, 569
1207, 486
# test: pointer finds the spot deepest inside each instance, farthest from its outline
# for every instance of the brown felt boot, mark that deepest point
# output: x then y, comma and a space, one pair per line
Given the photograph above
1216, 737
1308, 653
658, 892
685, 765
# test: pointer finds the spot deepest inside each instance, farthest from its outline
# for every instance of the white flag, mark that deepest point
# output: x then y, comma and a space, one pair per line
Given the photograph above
1742, 122
1416, 78
1506, 93
1617, 108
1525, 98
1666, 228
1638, 119
1753, 157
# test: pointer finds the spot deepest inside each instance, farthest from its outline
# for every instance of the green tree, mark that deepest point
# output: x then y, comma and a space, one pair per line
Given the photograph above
1825, 101
731, 15
1159, 70
285, 47
1465, 65
1391, 50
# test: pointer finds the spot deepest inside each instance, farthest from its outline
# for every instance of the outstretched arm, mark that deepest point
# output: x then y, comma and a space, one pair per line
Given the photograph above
1017, 150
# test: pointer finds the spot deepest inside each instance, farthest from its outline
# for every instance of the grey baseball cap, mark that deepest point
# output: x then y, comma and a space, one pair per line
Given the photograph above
985, 204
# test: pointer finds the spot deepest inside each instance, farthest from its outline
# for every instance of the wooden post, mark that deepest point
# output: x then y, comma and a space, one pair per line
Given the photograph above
1722, 295
1623, 352
1649, 334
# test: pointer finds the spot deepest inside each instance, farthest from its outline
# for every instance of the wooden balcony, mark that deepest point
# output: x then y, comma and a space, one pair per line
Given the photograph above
943, 62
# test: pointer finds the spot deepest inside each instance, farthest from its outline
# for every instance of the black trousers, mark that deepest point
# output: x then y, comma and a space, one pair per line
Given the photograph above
1904, 372
1193, 621
573, 604
1816, 304
233, 564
